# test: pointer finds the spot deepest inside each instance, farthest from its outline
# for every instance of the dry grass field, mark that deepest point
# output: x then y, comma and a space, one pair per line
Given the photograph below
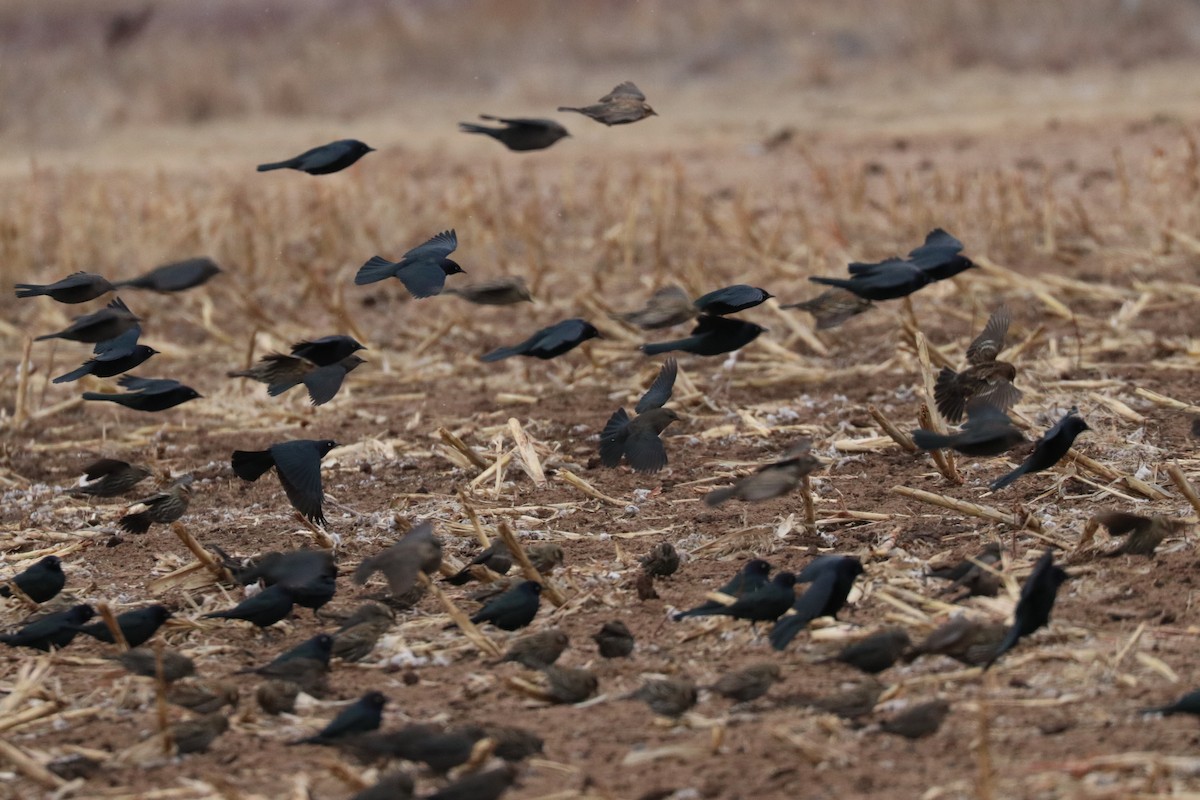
1058, 141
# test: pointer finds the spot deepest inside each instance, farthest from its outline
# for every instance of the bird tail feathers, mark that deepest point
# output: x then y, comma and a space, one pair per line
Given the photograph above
375, 270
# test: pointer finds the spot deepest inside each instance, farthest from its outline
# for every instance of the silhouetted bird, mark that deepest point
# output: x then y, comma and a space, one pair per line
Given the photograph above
748, 683
1053, 445
987, 432
108, 477
731, 299
489, 785
877, 652
966, 640
310, 575
538, 650
178, 276
1188, 704
499, 292
519, 134
549, 342
298, 465
514, 609
637, 440
126, 26
833, 307
495, 557
1037, 600
107, 323
362, 716
614, 639
143, 661
53, 630
392, 786
263, 609
669, 697
712, 336
512, 743
750, 578
197, 735
1145, 533
919, 721
624, 104
323, 160
359, 632
668, 306
825, 598
662, 560
422, 270
984, 379
771, 480
40, 582
416, 551
79, 287
108, 366
327, 349
569, 684
136, 626
147, 394
163, 508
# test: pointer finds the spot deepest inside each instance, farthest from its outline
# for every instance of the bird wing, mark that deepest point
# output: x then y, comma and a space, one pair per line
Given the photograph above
117, 347
644, 450
102, 467
612, 438
323, 383
1120, 523
988, 344
522, 122
622, 91
436, 248
938, 248
660, 391
1000, 393
422, 278
148, 385
871, 267
299, 469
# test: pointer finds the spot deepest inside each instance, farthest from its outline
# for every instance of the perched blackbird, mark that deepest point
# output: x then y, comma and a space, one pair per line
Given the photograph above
825, 598
107, 323
748, 683
163, 508
919, 721
519, 134
177, 276
203, 697
1145, 533
195, 735
538, 650
310, 575
712, 336
569, 684
770, 480
55, 630
751, 578
623, 105
877, 652
669, 697
668, 306
376, 746
1053, 445
614, 639
112, 357
362, 716
392, 786
969, 575
40, 582
547, 343
422, 270
984, 379
731, 299
305, 665
326, 350
819, 565
282, 373
78, 287
495, 557
855, 701
323, 160
108, 477
987, 432
298, 465
416, 551
355, 640
766, 604
147, 394
833, 307
512, 743
488, 785
661, 561
637, 440
1037, 599
136, 626
277, 697
143, 661
1188, 704
966, 640
514, 609
498, 292
263, 609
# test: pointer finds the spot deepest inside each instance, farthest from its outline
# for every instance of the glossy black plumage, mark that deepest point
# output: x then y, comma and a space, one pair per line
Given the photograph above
514, 609
147, 394
495, 557
298, 465
323, 160
519, 134
712, 336
731, 299
765, 604
99, 326
824, 598
109, 367
78, 287
549, 342
39, 582
1049, 450
362, 716
422, 270
1038, 594
55, 630
263, 609
749, 578
137, 626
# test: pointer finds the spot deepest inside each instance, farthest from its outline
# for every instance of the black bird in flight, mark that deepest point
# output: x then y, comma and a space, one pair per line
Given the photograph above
113, 357
1038, 594
549, 342
79, 287
712, 336
519, 134
147, 394
935, 260
731, 299
177, 276
99, 326
298, 465
1049, 450
637, 440
323, 160
987, 432
422, 270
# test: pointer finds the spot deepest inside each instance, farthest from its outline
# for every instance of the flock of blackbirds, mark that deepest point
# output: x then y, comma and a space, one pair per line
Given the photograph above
982, 393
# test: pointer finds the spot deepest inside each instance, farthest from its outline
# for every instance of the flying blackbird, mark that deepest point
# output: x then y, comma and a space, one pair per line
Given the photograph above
277, 697
177, 276
53, 630
108, 366
661, 561
281, 373
919, 721
833, 307
163, 508
392, 786
310, 575
770, 480
731, 299
147, 394
624, 104
886, 280
422, 270
512, 743
323, 160
362, 716
519, 134
568, 684
1188, 704
299, 664
825, 598
488, 785
669, 697
877, 652
499, 292
203, 697
40, 582
1037, 599
514, 609
668, 306
108, 477
712, 336
766, 604
984, 379
107, 323
136, 626
1145, 533
143, 661
987, 432
614, 639
495, 557
326, 350
748, 683
196, 735
550, 342
263, 609
416, 551
539, 649
966, 640
750, 578
355, 640
637, 440
78, 287
1053, 445
939, 256
298, 465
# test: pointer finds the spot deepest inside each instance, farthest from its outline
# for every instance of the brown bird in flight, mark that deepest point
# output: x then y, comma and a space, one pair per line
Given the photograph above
624, 104
984, 378
771, 480
1145, 533
668, 306
833, 307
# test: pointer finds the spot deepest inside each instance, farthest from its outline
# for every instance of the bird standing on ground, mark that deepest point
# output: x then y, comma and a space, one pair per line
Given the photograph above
298, 465
748, 683
831, 586
362, 716
1038, 594
637, 440
495, 557
323, 160
53, 630
519, 134
40, 582
1048, 450
538, 650
357, 636
263, 609
765, 604
919, 721
984, 379
162, 508
750, 578
670, 697
549, 342
614, 639
136, 626
514, 609
422, 270
771, 480
877, 652
623, 105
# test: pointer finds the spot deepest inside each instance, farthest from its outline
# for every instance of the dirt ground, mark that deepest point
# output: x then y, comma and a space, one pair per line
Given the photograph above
1074, 189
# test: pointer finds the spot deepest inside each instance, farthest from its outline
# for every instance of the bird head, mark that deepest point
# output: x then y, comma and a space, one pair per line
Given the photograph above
451, 267
650, 112
325, 446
